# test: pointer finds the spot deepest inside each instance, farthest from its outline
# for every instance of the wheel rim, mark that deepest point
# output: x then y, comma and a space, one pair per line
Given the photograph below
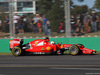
73, 50
16, 51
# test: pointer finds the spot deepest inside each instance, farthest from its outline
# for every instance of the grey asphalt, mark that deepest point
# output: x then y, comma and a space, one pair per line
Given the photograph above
50, 65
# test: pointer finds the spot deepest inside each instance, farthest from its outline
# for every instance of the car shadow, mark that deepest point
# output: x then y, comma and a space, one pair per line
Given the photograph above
58, 55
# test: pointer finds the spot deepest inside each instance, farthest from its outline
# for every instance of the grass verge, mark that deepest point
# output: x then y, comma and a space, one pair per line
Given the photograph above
6, 53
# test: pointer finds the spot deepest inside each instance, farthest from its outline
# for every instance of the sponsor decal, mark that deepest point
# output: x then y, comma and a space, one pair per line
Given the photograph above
42, 48
36, 42
61, 46
15, 42
48, 48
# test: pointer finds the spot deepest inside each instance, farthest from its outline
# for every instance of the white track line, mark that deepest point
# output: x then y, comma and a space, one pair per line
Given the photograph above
77, 68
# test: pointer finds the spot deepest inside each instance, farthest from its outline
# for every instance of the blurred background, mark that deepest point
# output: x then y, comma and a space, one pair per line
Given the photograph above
53, 18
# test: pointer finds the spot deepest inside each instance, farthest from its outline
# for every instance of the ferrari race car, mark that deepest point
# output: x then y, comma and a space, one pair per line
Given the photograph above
43, 46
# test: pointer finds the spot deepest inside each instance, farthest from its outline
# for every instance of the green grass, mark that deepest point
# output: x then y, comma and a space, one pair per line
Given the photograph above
6, 53
98, 52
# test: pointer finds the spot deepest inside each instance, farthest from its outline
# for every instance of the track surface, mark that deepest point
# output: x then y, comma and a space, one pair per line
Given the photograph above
50, 65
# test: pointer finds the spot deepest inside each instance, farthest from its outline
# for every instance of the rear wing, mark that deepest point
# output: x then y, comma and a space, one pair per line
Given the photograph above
14, 42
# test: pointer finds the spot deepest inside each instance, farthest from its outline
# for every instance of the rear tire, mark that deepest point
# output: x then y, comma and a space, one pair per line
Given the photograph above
16, 51
74, 50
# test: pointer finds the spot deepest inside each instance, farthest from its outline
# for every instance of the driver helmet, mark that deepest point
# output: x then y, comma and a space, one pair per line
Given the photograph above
52, 42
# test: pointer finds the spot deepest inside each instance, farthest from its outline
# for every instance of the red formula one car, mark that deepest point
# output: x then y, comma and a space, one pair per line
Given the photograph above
43, 46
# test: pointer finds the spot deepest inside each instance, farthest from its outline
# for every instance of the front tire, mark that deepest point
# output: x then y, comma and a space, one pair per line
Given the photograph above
16, 51
74, 50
